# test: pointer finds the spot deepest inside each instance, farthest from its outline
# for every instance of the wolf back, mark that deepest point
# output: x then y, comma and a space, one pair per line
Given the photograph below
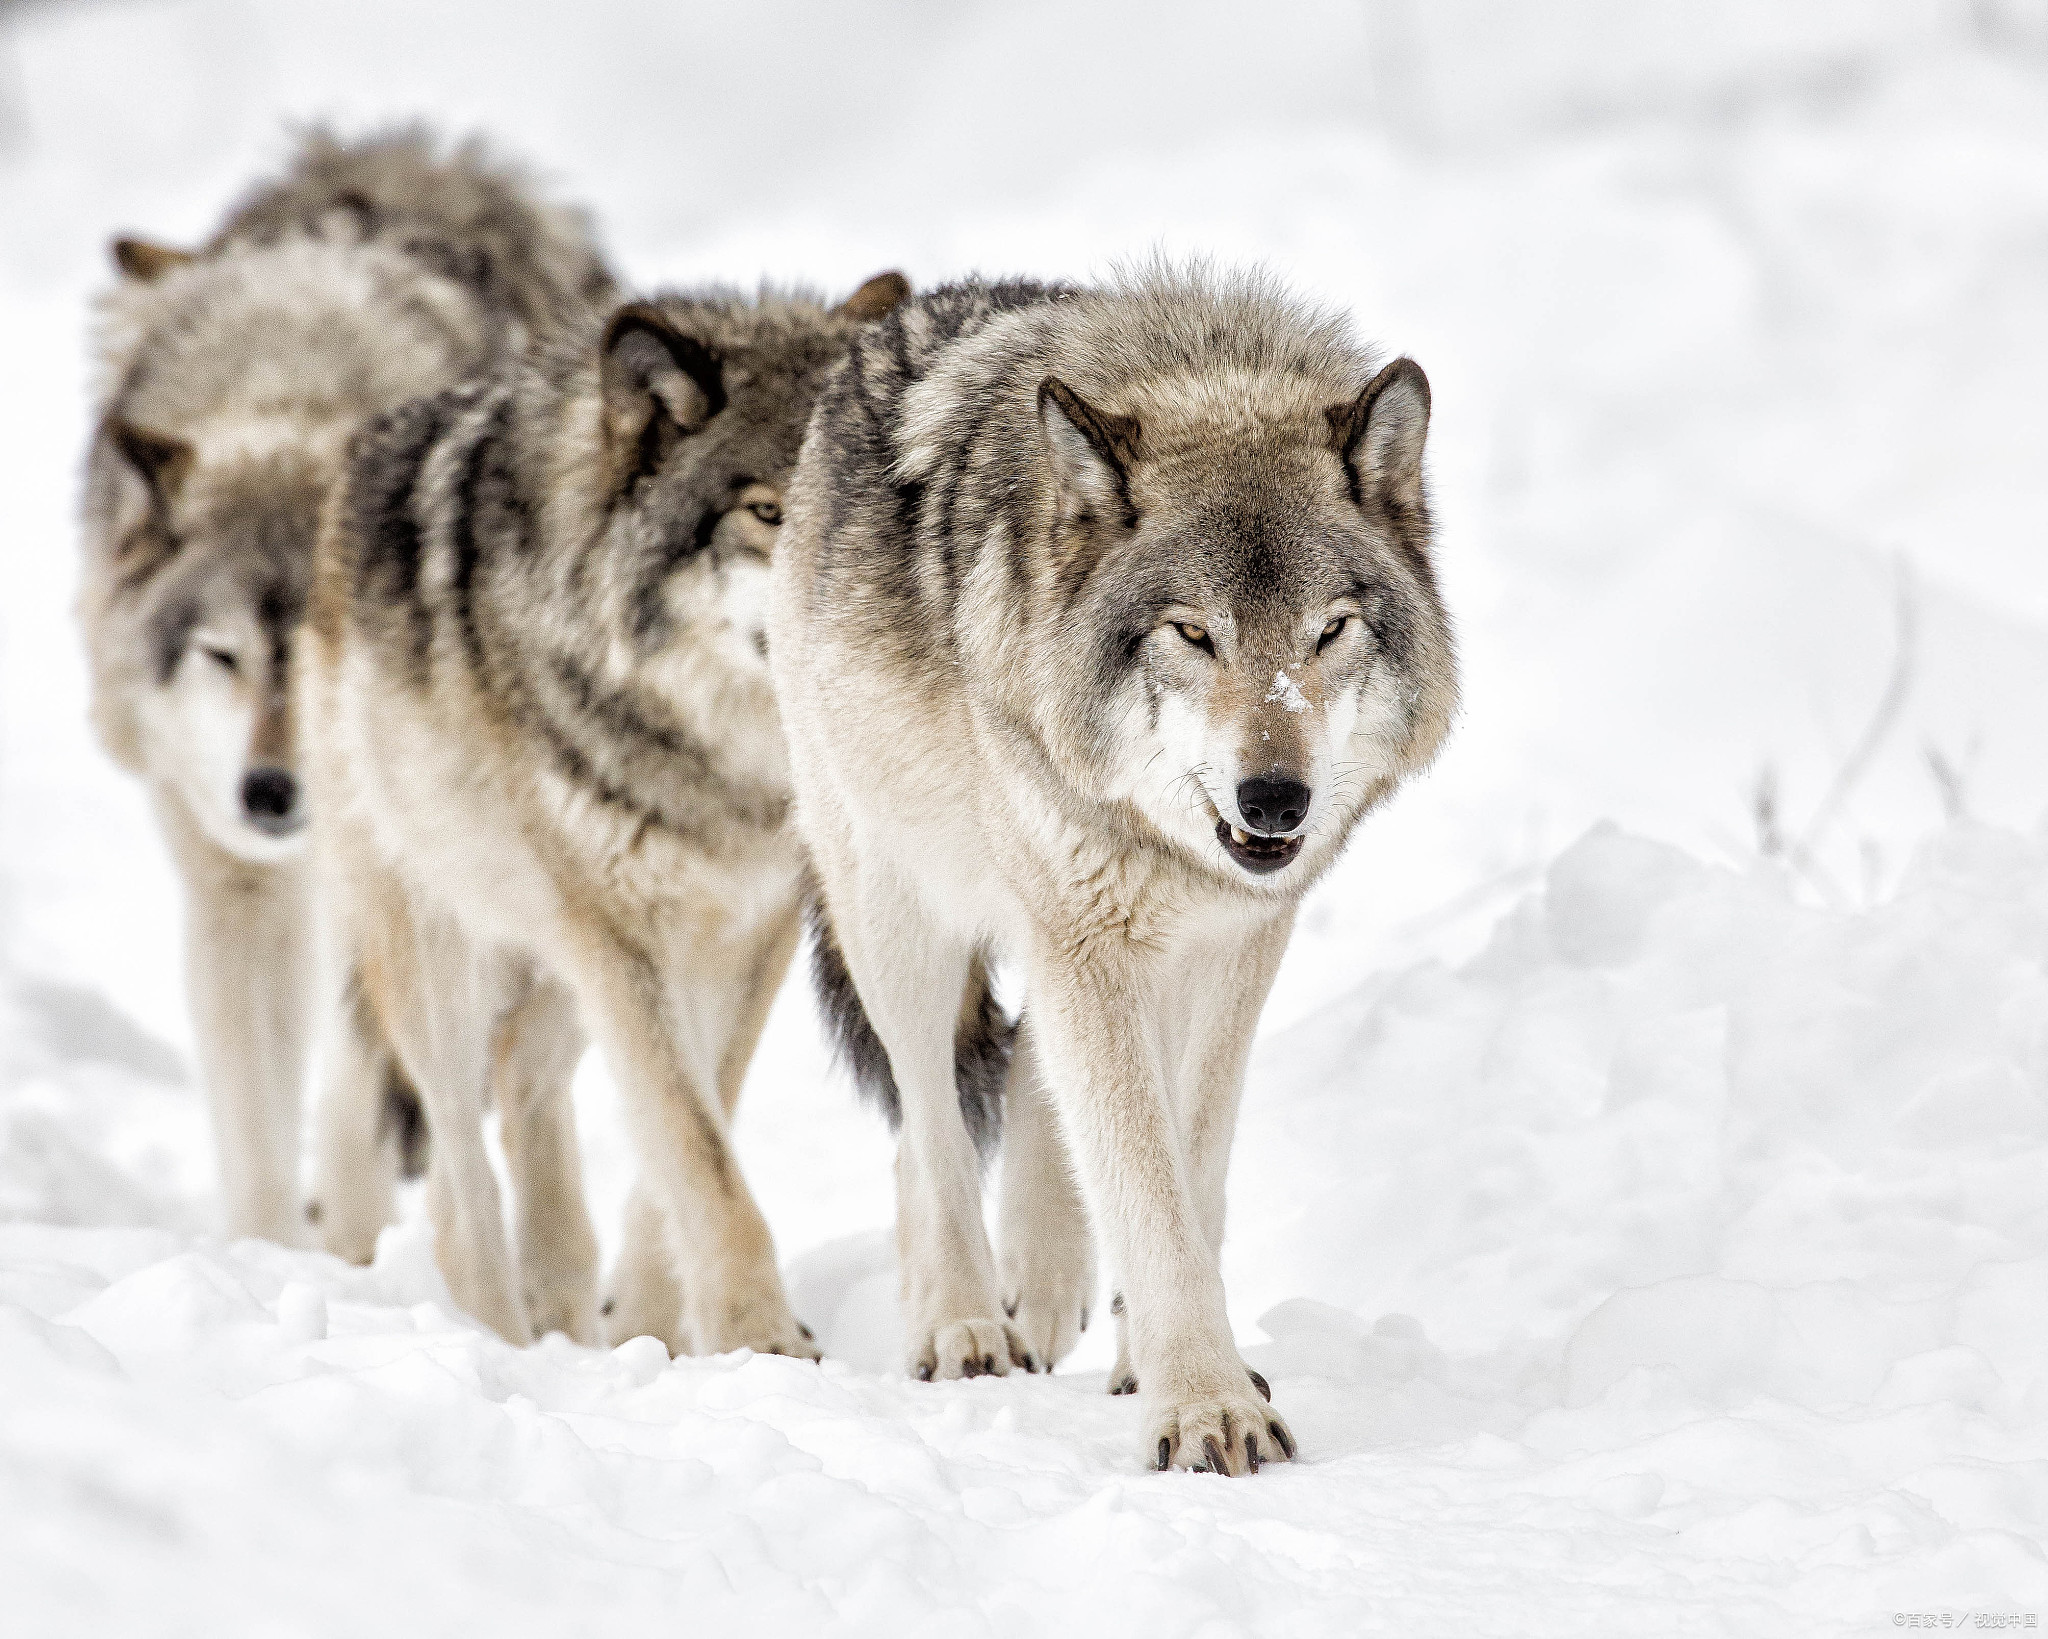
457, 209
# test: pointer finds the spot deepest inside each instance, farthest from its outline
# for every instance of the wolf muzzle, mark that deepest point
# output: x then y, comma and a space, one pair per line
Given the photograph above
270, 801
1272, 809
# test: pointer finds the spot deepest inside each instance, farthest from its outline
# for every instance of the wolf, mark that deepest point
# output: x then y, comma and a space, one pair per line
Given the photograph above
1100, 618
231, 380
553, 792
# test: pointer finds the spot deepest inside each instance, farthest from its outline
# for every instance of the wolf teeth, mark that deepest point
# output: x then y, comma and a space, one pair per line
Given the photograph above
1238, 836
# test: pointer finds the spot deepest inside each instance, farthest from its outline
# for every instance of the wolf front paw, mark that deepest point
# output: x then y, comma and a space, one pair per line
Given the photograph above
974, 1348
1228, 1433
767, 1329
352, 1239
1050, 1309
344, 1219
565, 1306
560, 1281
643, 1301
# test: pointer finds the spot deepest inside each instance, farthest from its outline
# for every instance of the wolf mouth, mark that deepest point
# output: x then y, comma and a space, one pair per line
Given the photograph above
1256, 854
277, 827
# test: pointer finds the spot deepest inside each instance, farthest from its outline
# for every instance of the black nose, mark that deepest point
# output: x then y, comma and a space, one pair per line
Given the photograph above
270, 797
1272, 806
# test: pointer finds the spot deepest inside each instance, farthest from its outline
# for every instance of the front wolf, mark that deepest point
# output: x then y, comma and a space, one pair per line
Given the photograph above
554, 788
232, 379
1101, 617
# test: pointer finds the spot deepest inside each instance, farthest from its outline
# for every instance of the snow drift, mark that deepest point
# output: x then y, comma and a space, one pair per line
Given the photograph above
1677, 1265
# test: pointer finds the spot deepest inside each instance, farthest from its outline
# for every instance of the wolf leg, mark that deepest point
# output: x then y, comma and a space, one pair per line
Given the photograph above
1048, 1258
1098, 1012
911, 975
1225, 993
429, 989
642, 1298
356, 1143
664, 1052
1221, 991
764, 975
246, 969
534, 1050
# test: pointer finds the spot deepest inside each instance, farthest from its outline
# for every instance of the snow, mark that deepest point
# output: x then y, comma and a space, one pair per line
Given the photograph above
1641, 1234
1287, 692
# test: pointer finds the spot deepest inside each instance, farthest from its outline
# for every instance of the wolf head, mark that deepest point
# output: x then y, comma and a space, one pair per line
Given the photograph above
701, 408
217, 561
1248, 533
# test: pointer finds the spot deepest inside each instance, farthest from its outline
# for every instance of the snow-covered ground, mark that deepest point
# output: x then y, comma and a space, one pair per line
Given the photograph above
1642, 1235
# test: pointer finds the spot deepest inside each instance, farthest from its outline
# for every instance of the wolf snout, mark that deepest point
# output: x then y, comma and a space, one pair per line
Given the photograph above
1272, 807
270, 801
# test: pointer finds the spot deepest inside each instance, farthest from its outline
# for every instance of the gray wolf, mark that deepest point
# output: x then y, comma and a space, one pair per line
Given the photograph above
553, 793
1100, 618
231, 379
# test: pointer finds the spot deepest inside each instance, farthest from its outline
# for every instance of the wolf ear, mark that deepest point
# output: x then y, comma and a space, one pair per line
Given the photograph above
1379, 436
659, 385
144, 262
161, 460
876, 299
1092, 453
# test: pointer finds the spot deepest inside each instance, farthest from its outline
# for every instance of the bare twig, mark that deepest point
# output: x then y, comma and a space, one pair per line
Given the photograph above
1948, 781
1765, 809
1883, 720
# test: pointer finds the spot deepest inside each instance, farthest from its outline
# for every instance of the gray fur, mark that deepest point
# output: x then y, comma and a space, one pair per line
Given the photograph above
939, 481
557, 770
482, 532
458, 209
230, 382
1101, 619
981, 1043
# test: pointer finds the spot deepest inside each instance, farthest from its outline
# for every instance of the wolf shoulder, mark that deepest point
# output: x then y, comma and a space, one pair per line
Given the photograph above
884, 464
385, 542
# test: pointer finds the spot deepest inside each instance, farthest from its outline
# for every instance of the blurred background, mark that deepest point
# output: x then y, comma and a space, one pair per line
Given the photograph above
1736, 315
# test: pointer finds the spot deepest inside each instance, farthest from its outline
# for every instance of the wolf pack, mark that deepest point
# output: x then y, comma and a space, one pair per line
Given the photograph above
516, 662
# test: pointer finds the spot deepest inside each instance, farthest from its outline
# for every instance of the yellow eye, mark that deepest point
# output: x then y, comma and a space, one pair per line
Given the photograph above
1330, 632
1197, 635
767, 511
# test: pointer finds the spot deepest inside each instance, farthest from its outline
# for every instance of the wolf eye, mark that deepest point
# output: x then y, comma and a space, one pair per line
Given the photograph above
767, 511
1197, 635
1330, 632
222, 657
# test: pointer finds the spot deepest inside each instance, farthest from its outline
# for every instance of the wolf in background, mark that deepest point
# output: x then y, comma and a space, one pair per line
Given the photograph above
553, 794
230, 381
1100, 618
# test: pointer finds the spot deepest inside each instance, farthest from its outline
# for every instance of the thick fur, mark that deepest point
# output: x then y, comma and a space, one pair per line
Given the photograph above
471, 216
1100, 619
982, 1042
231, 381
555, 778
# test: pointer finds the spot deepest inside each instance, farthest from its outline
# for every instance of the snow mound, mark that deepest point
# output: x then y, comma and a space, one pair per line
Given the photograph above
1674, 1265
1661, 1069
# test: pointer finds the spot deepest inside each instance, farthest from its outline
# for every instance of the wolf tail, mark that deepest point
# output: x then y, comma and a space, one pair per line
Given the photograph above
982, 1039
